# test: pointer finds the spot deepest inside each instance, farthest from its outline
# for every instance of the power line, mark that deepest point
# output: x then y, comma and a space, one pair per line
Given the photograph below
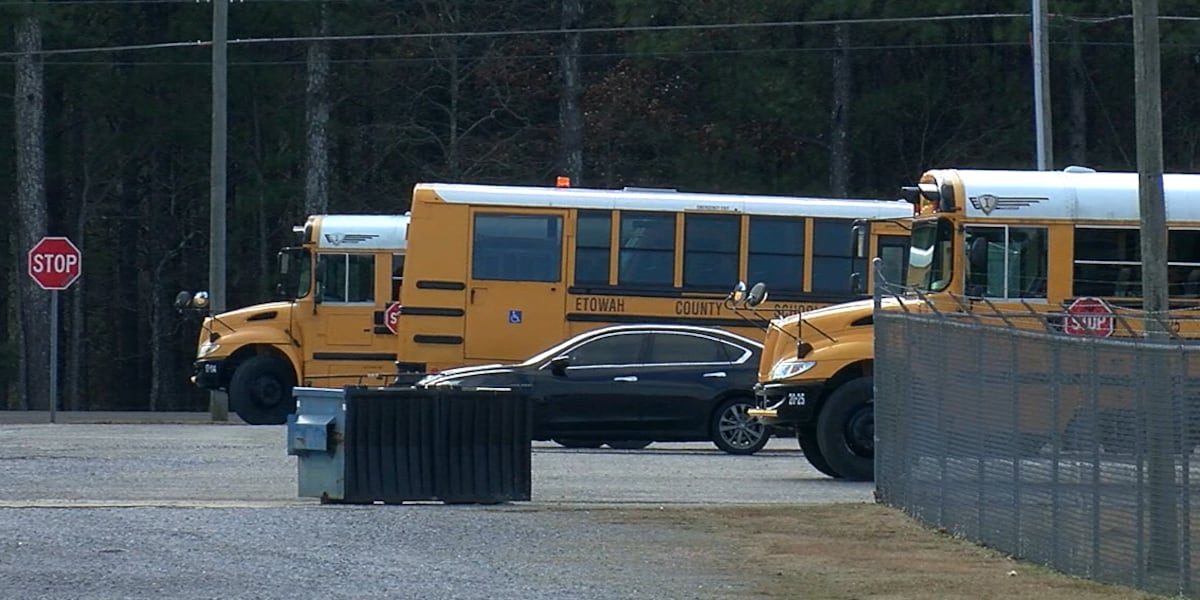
123, 2
536, 57
621, 54
528, 32
542, 32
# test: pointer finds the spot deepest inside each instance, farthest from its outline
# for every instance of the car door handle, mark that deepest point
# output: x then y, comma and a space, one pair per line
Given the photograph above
715, 374
626, 378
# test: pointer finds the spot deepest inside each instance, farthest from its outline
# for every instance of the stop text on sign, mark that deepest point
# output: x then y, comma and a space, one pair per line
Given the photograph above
60, 264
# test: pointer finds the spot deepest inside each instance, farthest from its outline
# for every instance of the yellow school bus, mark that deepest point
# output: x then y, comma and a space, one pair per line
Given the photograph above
1033, 241
496, 273
331, 328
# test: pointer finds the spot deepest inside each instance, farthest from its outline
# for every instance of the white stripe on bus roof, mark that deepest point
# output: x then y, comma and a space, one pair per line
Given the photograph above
668, 201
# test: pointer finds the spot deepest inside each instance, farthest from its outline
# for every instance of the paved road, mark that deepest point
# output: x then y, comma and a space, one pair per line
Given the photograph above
211, 511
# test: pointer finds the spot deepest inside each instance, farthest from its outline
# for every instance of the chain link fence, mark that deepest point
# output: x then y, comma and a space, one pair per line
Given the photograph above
1072, 451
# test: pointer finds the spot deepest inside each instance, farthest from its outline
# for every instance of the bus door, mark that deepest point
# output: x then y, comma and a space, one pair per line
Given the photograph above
344, 317
892, 251
515, 291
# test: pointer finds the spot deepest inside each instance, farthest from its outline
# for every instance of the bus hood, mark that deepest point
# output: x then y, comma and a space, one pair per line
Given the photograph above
813, 333
231, 320
225, 326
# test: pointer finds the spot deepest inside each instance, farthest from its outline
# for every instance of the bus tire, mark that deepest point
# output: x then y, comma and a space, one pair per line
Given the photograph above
260, 391
846, 430
734, 431
806, 435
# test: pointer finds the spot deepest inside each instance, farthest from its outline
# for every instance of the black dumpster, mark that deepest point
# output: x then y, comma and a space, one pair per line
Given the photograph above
456, 446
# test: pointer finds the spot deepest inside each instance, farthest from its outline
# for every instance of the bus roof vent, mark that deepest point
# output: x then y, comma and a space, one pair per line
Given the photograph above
1078, 169
648, 189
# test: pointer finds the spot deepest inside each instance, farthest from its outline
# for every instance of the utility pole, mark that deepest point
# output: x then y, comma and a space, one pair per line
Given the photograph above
218, 403
1161, 438
1041, 86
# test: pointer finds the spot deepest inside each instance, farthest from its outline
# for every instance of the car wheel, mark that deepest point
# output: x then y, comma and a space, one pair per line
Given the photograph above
568, 443
628, 444
736, 432
846, 430
260, 391
807, 436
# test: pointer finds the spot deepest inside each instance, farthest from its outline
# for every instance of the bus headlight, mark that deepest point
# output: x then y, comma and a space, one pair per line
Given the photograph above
786, 368
207, 348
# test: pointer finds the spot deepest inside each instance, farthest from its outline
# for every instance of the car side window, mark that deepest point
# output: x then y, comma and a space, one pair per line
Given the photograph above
618, 349
686, 348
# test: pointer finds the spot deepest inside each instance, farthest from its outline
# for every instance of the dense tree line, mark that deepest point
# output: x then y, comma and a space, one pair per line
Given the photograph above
343, 106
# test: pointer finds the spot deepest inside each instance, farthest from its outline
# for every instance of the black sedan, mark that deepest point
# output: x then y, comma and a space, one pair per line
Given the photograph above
630, 385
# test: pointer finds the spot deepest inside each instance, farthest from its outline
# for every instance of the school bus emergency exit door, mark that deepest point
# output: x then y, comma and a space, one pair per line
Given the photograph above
515, 290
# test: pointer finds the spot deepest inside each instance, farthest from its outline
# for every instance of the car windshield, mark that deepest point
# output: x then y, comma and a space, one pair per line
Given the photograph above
930, 261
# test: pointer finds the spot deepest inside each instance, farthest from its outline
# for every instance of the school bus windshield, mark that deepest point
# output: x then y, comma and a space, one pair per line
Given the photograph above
930, 260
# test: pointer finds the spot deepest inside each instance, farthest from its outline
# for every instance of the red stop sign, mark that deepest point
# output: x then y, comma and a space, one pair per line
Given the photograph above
390, 316
1089, 316
55, 263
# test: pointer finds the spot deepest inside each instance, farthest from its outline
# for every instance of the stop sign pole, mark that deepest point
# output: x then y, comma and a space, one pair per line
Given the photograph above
54, 263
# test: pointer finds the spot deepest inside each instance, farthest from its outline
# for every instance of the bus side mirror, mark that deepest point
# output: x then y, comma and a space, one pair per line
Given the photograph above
856, 284
738, 294
757, 295
183, 300
858, 239
285, 263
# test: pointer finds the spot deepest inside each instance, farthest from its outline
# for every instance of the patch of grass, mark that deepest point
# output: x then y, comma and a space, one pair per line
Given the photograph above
859, 551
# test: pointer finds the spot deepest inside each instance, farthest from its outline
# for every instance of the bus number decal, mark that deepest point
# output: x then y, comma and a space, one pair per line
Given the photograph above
697, 308
599, 304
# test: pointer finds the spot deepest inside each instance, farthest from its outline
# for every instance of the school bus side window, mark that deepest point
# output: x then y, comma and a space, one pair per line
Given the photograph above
1108, 262
710, 250
517, 247
777, 252
592, 244
832, 261
1183, 262
397, 275
647, 249
346, 278
1006, 262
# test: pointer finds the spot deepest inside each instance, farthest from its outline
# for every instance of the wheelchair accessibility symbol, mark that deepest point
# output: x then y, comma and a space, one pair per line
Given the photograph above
514, 317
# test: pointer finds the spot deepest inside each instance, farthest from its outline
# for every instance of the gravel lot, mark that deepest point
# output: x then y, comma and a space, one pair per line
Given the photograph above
211, 511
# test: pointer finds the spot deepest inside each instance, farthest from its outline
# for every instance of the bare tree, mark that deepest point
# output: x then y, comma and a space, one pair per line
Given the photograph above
316, 183
839, 153
1077, 117
32, 301
570, 106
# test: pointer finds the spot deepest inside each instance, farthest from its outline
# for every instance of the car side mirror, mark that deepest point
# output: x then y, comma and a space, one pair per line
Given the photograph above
559, 364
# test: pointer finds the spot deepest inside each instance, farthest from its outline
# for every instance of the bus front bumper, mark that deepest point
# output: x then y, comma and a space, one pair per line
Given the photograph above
786, 404
208, 374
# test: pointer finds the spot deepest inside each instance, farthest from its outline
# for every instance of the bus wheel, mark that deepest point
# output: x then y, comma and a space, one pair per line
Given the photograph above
736, 432
807, 436
846, 430
261, 391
